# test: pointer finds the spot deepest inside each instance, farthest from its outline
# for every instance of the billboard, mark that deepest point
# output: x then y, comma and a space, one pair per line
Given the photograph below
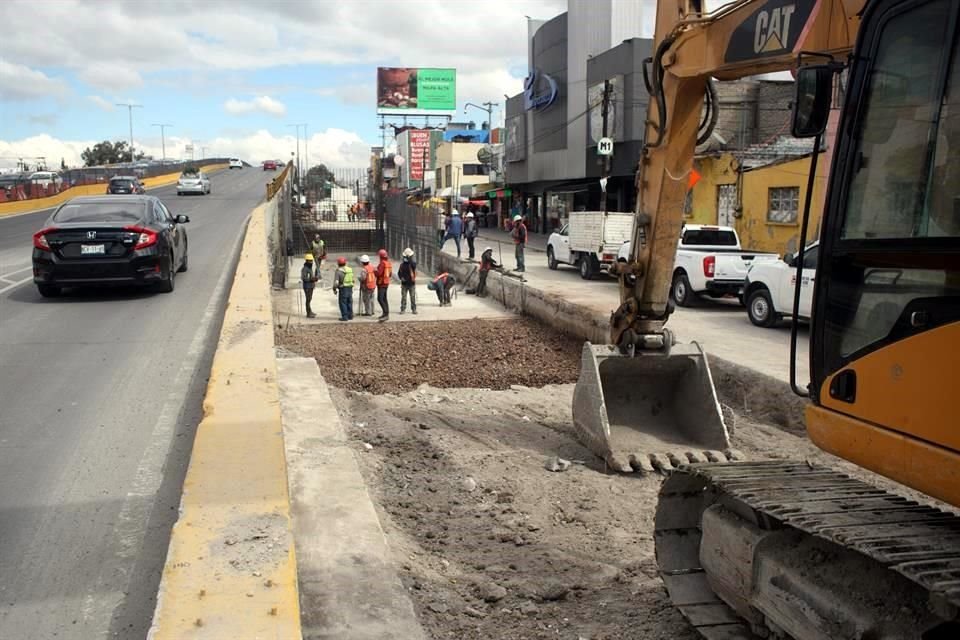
420, 89
419, 152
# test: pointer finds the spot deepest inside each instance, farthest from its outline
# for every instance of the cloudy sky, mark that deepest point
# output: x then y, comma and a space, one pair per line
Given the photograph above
231, 75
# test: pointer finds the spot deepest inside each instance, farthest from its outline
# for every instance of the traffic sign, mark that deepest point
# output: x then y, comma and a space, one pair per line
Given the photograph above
605, 147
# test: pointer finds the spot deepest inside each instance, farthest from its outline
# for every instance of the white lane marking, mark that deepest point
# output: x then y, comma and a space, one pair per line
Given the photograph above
16, 284
130, 529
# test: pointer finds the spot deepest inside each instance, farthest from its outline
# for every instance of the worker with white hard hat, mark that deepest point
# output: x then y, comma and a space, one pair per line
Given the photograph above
519, 234
407, 274
368, 284
308, 278
470, 233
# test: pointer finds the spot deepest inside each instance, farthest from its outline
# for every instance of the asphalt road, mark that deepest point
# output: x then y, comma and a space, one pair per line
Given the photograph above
100, 395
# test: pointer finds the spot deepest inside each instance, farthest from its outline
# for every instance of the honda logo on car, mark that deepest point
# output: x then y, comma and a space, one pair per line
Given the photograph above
91, 235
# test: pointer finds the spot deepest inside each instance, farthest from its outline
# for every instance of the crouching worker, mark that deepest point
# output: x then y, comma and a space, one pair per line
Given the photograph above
486, 264
443, 284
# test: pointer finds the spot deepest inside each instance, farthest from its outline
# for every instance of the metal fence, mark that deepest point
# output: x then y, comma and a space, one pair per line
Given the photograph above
337, 206
413, 223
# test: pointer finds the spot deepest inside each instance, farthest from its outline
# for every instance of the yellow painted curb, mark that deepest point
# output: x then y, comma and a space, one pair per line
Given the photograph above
231, 569
38, 204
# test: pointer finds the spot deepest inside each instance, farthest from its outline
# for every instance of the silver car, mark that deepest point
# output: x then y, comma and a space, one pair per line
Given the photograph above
192, 181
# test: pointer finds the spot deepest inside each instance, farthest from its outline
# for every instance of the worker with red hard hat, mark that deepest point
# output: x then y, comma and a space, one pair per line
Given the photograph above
384, 272
343, 287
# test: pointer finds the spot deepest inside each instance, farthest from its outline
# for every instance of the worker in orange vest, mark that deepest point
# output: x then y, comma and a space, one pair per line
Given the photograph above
368, 284
384, 272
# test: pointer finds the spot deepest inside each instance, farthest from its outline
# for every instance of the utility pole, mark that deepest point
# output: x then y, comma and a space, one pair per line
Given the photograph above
163, 140
130, 107
203, 152
299, 167
488, 107
604, 111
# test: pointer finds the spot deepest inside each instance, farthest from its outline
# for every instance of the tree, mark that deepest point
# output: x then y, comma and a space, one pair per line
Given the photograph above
107, 152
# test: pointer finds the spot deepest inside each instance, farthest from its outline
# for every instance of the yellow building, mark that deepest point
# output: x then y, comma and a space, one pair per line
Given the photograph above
458, 168
762, 199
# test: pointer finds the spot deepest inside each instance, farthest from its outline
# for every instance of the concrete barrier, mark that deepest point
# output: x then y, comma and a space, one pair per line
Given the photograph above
39, 204
231, 567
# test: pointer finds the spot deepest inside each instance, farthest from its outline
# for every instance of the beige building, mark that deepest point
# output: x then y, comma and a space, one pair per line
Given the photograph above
458, 168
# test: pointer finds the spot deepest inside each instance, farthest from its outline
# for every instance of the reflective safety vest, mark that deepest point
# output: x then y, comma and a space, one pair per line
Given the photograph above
347, 277
371, 281
384, 271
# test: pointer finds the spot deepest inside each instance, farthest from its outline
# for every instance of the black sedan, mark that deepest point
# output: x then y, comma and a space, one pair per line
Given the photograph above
109, 240
125, 185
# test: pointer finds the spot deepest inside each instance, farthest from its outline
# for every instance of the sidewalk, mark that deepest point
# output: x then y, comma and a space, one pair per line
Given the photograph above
721, 327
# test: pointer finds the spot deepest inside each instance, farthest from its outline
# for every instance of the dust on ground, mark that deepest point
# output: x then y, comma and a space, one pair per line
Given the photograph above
488, 542
399, 356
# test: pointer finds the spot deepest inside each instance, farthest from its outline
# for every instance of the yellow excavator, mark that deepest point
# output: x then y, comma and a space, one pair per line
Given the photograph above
780, 549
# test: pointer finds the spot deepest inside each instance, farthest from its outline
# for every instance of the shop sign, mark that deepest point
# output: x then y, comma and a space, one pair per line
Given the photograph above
532, 99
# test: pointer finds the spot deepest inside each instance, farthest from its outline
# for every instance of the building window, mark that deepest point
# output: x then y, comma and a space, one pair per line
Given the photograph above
783, 204
439, 173
475, 170
448, 177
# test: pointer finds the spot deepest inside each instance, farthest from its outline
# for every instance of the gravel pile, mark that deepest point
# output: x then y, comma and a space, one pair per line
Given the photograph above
396, 357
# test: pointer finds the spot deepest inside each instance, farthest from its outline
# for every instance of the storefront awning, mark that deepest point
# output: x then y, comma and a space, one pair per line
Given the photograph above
446, 192
499, 193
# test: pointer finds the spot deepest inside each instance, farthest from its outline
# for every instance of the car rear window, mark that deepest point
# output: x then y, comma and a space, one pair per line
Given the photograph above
714, 237
100, 212
121, 182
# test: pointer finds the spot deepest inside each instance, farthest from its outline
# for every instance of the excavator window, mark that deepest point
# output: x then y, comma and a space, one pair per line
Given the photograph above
895, 262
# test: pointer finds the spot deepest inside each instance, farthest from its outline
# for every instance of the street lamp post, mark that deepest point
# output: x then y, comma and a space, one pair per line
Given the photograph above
488, 107
163, 140
130, 107
299, 167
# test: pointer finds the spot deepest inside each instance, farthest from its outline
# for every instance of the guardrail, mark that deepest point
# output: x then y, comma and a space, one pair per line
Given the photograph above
274, 185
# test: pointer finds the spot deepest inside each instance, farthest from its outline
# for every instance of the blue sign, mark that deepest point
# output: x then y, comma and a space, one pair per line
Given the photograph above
533, 100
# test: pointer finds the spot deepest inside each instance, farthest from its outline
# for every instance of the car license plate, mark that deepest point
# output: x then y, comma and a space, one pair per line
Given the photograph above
92, 249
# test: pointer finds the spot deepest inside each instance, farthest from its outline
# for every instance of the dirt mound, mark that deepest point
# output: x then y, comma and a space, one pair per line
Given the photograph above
493, 354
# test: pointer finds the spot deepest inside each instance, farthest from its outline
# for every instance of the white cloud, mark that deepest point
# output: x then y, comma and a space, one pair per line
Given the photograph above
261, 104
110, 77
20, 82
333, 147
101, 102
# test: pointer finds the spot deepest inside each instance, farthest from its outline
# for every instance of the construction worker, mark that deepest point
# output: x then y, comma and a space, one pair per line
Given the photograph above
368, 284
519, 234
343, 287
319, 249
384, 272
408, 281
454, 231
308, 279
486, 263
470, 232
442, 283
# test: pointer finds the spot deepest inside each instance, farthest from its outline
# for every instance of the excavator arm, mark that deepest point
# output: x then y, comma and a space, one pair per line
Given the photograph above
742, 38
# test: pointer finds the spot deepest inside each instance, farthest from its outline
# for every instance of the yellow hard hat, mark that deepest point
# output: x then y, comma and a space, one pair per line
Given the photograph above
308, 257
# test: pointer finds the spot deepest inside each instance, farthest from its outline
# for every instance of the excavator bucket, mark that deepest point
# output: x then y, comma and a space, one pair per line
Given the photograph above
651, 411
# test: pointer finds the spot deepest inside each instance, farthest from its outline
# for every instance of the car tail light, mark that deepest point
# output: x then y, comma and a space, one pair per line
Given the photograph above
147, 238
709, 266
40, 239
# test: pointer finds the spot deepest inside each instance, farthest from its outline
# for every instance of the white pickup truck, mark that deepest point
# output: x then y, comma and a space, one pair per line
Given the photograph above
709, 261
768, 290
589, 241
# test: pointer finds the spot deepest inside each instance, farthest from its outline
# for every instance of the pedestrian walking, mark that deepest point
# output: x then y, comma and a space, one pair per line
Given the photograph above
308, 279
519, 234
407, 273
343, 287
454, 231
367, 280
486, 264
443, 221
384, 272
319, 249
470, 233
443, 284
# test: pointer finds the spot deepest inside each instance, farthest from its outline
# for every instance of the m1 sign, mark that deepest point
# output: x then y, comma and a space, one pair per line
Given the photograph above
419, 152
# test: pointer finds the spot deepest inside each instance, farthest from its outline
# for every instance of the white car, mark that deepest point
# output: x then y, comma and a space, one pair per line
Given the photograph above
235, 163
769, 288
192, 181
45, 178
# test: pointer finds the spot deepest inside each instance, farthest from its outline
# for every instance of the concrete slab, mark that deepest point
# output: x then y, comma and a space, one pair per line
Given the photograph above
289, 303
721, 326
349, 590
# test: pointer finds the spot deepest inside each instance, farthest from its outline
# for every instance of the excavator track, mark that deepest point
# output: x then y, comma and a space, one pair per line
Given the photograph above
920, 543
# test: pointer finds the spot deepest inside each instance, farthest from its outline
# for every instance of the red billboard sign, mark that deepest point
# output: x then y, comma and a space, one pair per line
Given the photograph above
419, 152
